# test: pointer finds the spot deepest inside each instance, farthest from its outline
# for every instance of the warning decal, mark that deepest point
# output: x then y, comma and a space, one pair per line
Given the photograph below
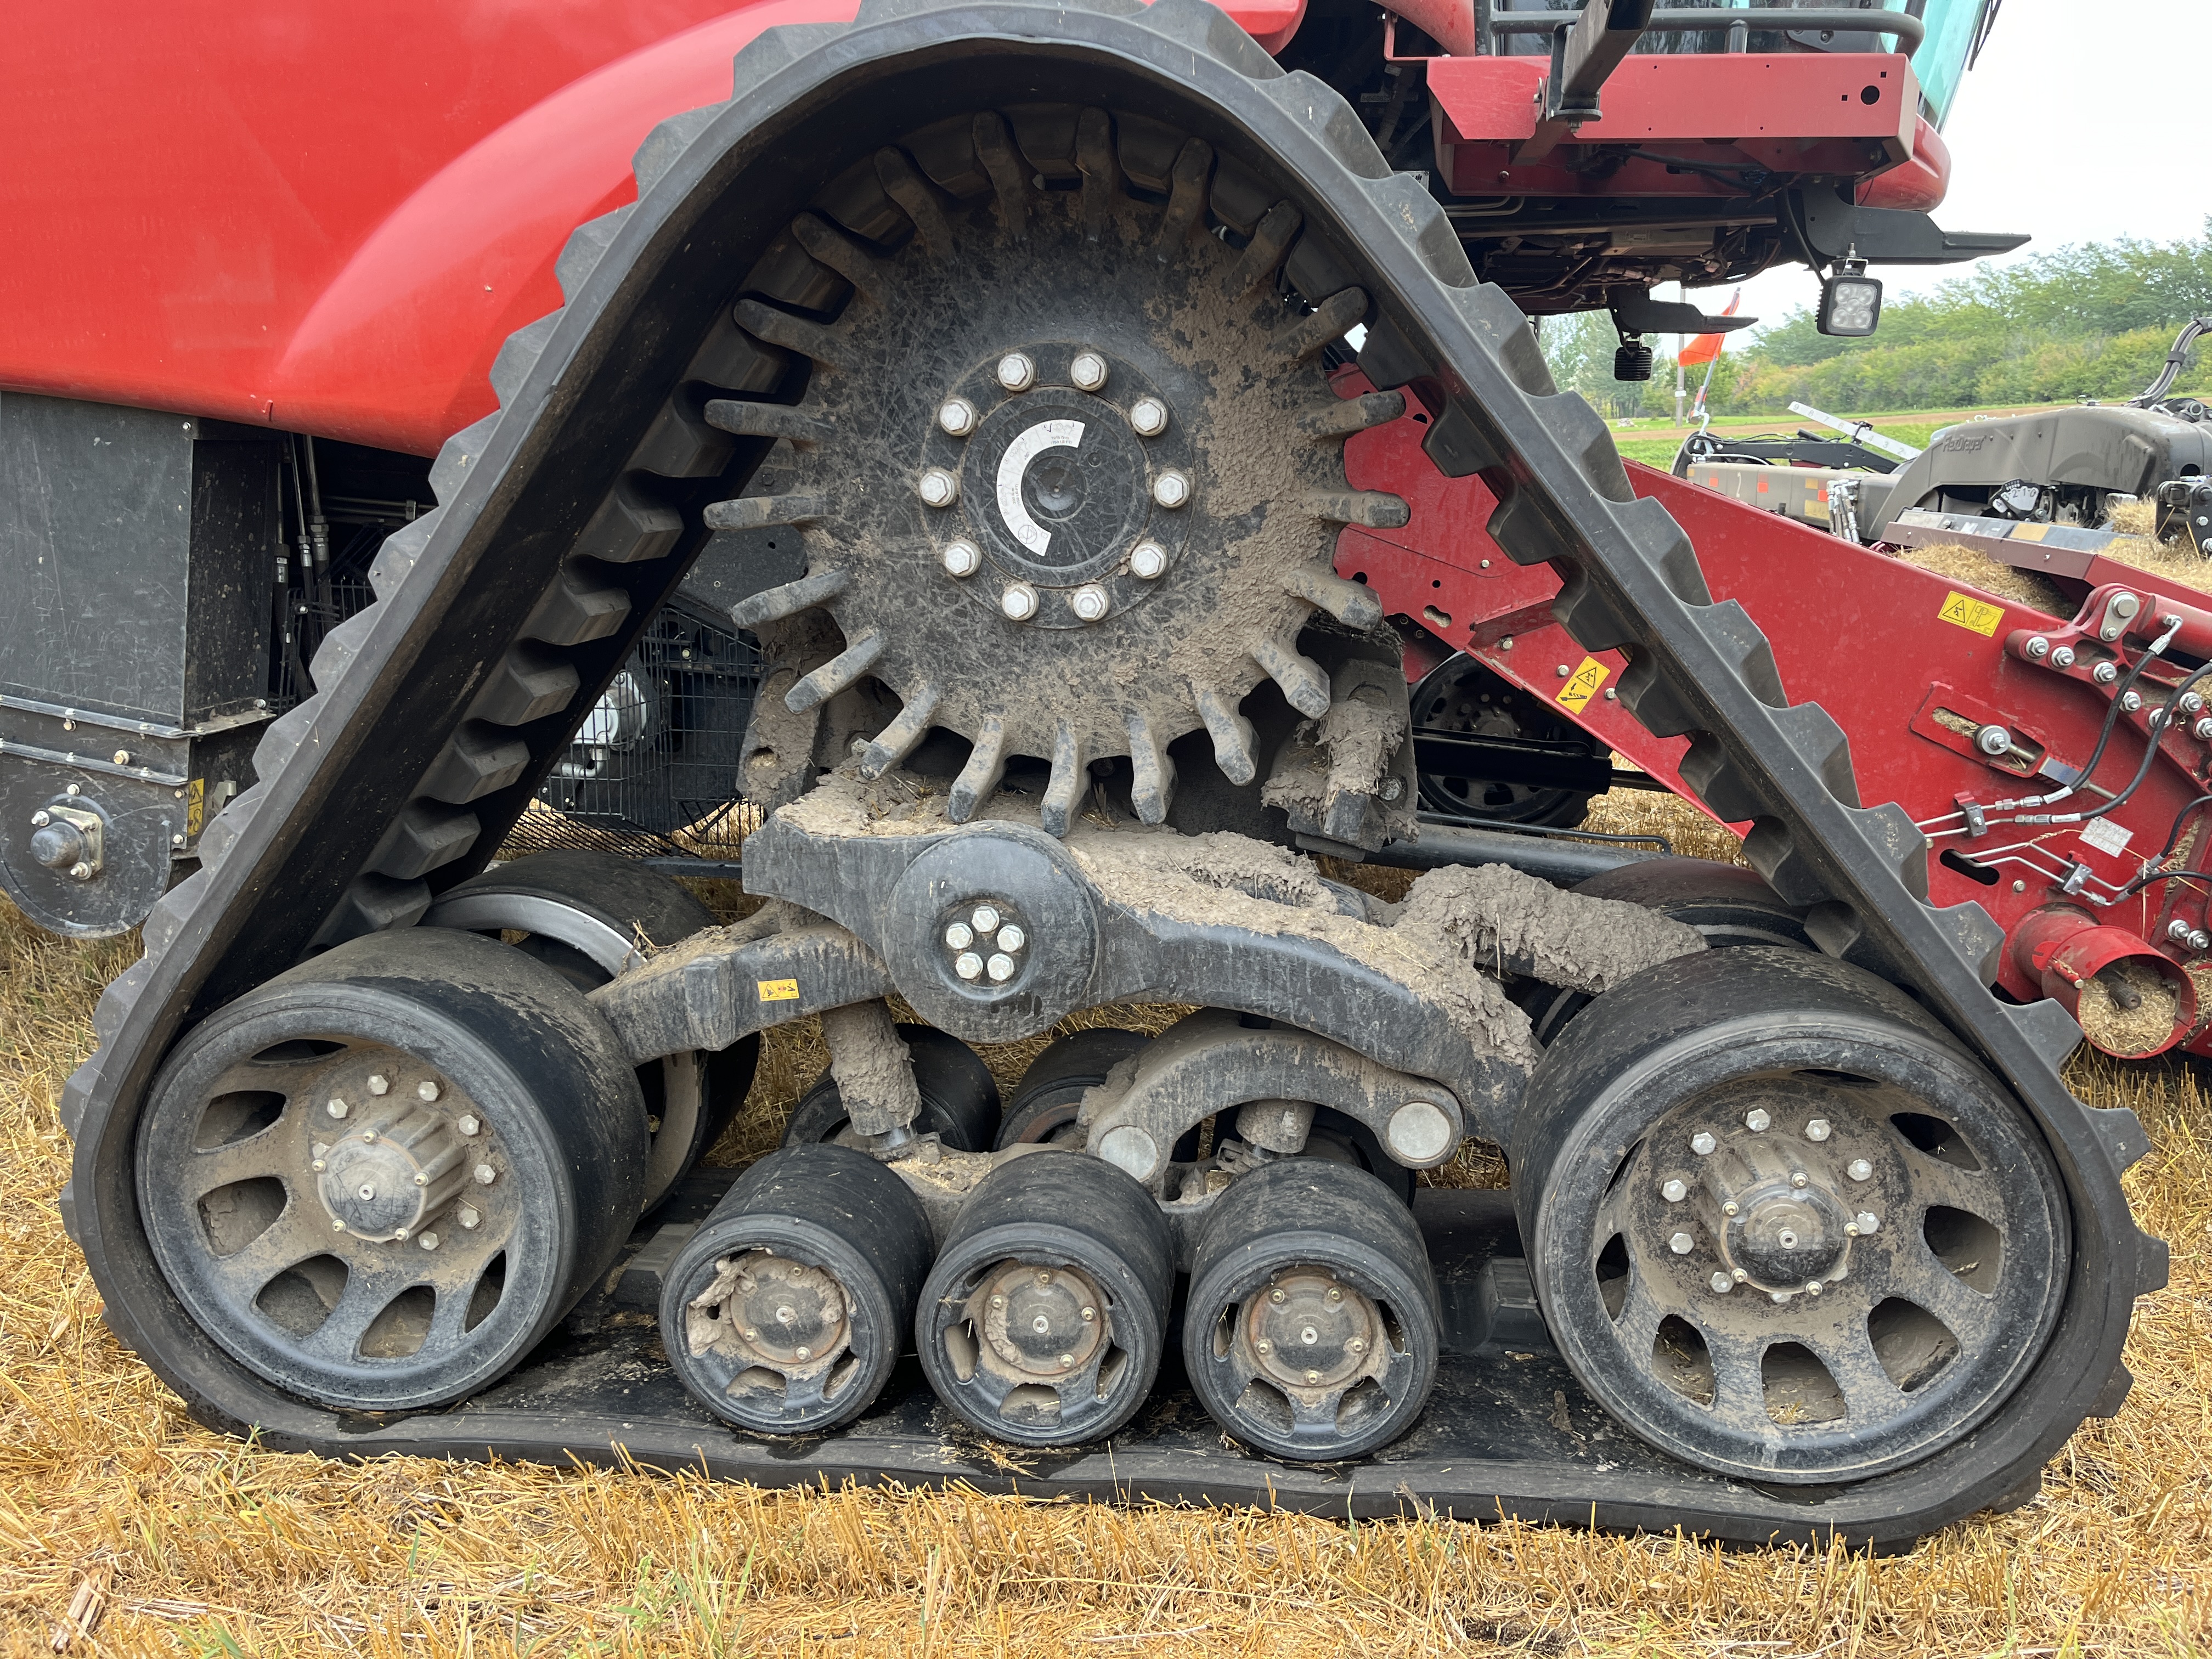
778, 990
1977, 615
1583, 684
195, 806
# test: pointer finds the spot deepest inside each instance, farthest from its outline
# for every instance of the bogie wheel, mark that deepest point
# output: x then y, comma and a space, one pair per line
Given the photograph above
585, 914
1461, 697
786, 1311
959, 1098
1313, 1328
1044, 1318
1043, 1109
1780, 1223
379, 1179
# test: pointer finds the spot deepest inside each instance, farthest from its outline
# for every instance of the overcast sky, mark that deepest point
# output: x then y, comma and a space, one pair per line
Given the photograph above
2072, 130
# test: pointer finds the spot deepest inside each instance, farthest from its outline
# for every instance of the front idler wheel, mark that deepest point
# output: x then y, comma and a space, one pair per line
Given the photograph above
1781, 1224
1043, 1322
378, 1180
1313, 1328
788, 1308
959, 1098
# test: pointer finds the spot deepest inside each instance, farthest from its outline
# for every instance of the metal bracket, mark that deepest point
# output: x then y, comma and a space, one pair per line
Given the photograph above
1584, 53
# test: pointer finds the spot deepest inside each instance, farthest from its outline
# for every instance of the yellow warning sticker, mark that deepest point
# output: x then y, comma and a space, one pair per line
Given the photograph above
778, 990
1583, 684
1975, 614
2029, 533
195, 806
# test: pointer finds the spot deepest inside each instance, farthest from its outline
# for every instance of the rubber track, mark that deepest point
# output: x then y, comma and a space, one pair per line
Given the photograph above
565, 517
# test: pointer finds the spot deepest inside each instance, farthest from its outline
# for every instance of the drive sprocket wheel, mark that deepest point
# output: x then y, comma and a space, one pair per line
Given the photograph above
1068, 468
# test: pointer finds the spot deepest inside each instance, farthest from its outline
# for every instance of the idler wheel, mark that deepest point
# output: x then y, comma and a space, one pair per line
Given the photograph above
959, 1098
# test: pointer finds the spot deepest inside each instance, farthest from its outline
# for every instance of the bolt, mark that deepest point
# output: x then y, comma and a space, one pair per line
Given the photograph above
123, 757
1011, 937
1312, 1378
1392, 789
998, 1302
1016, 372
2178, 931
1276, 1296
1800, 1180
1357, 1345
1674, 1191
485, 1175
1868, 1220
1993, 740
802, 1352
961, 558
369, 1134
429, 1241
426, 1091
337, 1108
1040, 1325
1818, 1129
938, 487
1000, 968
1787, 1238
337, 1226
1702, 1144
318, 1165
1812, 1287
1565, 670
469, 1123
2103, 673
1148, 562
469, 1215
1043, 1277
367, 1190
1336, 1293
1066, 1361
2192, 703
1148, 416
1681, 1244
1756, 1120
1088, 602
176, 841
1738, 1274
1172, 489
2062, 656
378, 1086
956, 416
2200, 940
1859, 1169
422, 1180
40, 820
2020, 887
2202, 729
2037, 648
1088, 371
80, 871
1264, 1345
2130, 701
967, 964
1730, 1207
986, 920
751, 1335
959, 936
1090, 1314
1019, 602
1722, 1284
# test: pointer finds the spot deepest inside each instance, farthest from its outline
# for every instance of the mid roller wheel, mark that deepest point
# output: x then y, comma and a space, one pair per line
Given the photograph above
1043, 1320
1313, 1328
1043, 1109
1781, 1224
788, 1308
378, 1180
588, 915
959, 1098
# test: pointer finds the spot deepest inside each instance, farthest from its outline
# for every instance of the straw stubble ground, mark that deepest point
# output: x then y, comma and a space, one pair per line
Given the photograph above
179, 1540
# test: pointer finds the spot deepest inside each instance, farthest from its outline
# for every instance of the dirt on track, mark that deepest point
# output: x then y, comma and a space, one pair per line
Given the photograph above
175, 1540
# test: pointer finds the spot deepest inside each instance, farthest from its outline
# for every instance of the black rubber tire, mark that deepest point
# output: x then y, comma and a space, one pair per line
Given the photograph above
1604, 1138
509, 1044
618, 897
1051, 1211
1299, 1212
1052, 1088
1340, 1138
1440, 703
959, 1097
830, 1209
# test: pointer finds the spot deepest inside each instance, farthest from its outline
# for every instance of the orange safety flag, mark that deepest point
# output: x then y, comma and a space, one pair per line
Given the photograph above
1706, 347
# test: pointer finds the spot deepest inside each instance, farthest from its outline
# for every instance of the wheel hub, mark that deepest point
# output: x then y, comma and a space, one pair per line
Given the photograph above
384, 1180
1040, 1320
1784, 1238
1307, 1330
783, 1313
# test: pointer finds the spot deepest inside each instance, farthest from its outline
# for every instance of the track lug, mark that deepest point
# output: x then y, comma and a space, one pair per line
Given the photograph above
586, 246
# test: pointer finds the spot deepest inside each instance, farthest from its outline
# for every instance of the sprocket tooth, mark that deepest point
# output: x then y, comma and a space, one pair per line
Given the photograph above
1186, 210
1264, 254
834, 676
1304, 685
829, 246
1350, 414
1332, 320
1101, 168
628, 529
1408, 204
747, 419
1353, 604
908, 728
825, 346
1230, 731
917, 199
1321, 109
979, 780
764, 511
774, 603
1010, 176
1063, 793
1489, 309
1152, 772
1374, 509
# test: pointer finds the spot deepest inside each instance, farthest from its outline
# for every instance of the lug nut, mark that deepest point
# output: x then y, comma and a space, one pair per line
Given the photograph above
1016, 372
985, 918
1674, 1191
1019, 602
967, 964
956, 416
1756, 1120
2191, 703
337, 1108
1172, 489
1148, 562
1011, 937
939, 488
959, 936
1088, 602
1800, 1180
485, 1175
1149, 416
1000, 968
426, 1091
1818, 1129
1088, 371
469, 1215
1681, 1244
1867, 1221
1702, 1143
2103, 673
1859, 1169
469, 1123
1722, 1284
429, 1241
379, 1084
961, 558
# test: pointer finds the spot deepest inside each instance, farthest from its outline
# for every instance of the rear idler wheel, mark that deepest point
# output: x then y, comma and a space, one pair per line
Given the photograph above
788, 1308
585, 914
378, 1180
959, 1098
1043, 1322
1782, 1225
1313, 1328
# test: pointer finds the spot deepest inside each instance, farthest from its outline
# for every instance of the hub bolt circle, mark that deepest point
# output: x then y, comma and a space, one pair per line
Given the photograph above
1171, 490
1702, 1144
959, 936
1000, 968
1011, 937
1859, 1169
1088, 371
1016, 372
938, 487
1681, 1244
1818, 1129
961, 558
1148, 416
1148, 562
1674, 1191
1018, 601
967, 964
1756, 1120
1090, 602
985, 918
1722, 1284
956, 416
